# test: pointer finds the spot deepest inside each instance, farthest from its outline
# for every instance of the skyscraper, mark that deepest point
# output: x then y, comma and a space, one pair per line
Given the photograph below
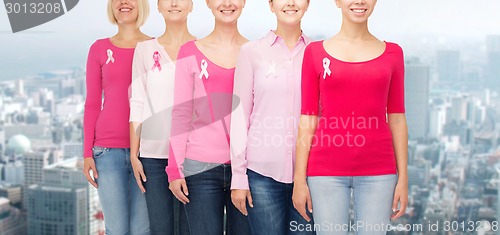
417, 98
11, 220
64, 203
493, 67
448, 66
34, 162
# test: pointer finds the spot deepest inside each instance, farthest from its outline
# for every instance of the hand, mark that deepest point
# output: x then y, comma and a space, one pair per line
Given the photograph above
180, 190
138, 173
301, 198
89, 164
239, 198
401, 196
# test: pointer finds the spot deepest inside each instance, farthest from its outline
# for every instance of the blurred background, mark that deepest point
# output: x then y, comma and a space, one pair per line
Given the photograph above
452, 53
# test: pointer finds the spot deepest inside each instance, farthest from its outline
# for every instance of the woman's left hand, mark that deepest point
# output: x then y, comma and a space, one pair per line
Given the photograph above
401, 197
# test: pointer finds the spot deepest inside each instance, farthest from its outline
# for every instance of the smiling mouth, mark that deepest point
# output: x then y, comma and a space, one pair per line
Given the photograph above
358, 10
125, 9
227, 11
174, 11
290, 11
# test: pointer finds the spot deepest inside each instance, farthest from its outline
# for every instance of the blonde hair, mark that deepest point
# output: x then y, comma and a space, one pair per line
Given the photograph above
142, 6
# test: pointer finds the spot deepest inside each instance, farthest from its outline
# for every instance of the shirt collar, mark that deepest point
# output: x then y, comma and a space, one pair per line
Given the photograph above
272, 38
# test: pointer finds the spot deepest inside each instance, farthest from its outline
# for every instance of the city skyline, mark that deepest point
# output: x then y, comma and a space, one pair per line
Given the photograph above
452, 105
418, 26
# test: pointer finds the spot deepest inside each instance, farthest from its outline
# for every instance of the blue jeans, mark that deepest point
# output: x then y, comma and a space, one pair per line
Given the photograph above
122, 202
210, 197
373, 197
166, 215
273, 211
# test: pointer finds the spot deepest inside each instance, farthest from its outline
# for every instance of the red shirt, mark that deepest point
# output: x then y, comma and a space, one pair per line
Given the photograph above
352, 100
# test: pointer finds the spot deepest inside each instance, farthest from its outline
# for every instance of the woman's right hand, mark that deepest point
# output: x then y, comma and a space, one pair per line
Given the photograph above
89, 164
138, 173
302, 199
180, 190
239, 198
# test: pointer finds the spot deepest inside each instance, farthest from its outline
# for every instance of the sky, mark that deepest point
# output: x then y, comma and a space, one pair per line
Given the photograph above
64, 42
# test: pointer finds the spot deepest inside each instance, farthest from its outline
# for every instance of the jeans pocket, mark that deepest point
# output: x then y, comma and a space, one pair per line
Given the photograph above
98, 151
192, 167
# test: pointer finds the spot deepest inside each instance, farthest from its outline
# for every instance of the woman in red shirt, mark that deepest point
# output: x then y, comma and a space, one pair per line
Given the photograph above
106, 129
352, 133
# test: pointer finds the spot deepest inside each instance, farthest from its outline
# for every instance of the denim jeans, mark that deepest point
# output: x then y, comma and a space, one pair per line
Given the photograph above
166, 215
122, 202
210, 199
372, 195
273, 211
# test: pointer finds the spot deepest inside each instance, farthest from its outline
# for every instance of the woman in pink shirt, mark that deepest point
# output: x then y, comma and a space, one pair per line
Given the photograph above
106, 129
352, 132
199, 167
151, 101
264, 125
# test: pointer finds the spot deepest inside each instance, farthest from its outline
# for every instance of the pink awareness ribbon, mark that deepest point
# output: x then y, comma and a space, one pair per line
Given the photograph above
156, 58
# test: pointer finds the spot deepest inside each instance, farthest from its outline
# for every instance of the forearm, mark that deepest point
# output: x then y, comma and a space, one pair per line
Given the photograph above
91, 114
135, 138
399, 129
307, 127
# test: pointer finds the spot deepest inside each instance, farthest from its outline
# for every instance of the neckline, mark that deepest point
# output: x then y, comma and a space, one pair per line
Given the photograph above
355, 62
122, 48
208, 60
163, 49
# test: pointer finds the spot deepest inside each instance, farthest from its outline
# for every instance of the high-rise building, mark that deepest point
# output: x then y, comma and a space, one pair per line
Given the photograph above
12, 222
2, 172
448, 66
12, 192
457, 111
71, 150
64, 203
493, 67
19, 87
437, 120
14, 172
2, 141
57, 210
34, 162
417, 98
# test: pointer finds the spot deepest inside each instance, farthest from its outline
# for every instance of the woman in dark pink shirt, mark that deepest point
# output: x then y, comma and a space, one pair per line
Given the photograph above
352, 133
106, 127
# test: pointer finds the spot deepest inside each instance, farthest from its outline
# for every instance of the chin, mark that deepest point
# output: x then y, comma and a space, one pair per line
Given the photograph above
228, 20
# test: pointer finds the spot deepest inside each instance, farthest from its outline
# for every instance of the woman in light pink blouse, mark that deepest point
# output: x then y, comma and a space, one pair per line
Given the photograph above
106, 129
264, 125
199, 167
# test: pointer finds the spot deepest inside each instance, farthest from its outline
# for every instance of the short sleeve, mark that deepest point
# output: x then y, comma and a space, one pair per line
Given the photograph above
310, 83
396, 99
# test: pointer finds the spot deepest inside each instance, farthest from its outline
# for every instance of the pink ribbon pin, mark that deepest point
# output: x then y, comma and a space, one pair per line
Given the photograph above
156, 58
